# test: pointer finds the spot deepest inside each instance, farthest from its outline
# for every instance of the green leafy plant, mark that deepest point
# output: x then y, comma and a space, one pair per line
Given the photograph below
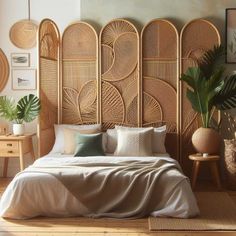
208, 88
26, 110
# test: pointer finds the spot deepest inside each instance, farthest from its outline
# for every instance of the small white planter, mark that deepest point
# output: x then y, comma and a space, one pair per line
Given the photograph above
18, 129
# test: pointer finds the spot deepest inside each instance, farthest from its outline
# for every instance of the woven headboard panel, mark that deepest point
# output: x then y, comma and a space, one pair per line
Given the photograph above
160, 79
119, 62
48, 81
79, 75
196, 38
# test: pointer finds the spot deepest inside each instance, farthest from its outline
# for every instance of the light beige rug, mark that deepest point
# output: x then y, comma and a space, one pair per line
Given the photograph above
218, 213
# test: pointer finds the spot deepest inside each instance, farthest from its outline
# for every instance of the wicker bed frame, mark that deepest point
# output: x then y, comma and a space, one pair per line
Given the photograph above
120, 77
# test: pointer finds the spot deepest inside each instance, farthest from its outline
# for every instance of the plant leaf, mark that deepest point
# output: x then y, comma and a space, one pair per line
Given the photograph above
226, 98
192, 77
214, 85
211, 60
198, 96
188, 79
28, 108
8, 109
193, 98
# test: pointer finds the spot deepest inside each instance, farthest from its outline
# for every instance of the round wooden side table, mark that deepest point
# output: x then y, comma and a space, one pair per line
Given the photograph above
212, 161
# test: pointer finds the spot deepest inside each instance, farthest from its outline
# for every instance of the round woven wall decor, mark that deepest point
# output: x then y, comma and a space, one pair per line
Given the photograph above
23, 34
4, 70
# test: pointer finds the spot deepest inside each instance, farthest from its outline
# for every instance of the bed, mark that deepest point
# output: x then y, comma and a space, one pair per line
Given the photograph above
82, 82
37, 192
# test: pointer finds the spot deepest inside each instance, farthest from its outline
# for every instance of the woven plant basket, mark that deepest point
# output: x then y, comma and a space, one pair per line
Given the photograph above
230, 163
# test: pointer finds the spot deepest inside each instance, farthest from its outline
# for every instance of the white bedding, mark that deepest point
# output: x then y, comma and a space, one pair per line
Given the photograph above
41, 194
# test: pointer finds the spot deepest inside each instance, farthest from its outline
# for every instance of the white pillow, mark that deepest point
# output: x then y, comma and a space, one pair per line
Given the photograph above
158, 141
111, 140
134, 142
131, 128
59, 134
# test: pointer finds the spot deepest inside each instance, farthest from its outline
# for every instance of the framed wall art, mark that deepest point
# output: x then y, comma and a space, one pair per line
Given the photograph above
20, 59
24, 79
230, 16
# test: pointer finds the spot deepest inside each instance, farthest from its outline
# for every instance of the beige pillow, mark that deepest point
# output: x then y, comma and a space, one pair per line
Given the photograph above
69, 138
134, 142
158, 140
58, 146
112, 136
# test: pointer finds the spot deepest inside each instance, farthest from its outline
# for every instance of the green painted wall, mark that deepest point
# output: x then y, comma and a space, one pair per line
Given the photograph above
141, 11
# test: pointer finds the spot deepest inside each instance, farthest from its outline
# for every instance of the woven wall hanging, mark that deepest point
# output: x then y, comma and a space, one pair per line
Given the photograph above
4, 70
23, 33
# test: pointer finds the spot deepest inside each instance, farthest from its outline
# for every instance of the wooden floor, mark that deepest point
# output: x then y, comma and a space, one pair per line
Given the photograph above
91, 227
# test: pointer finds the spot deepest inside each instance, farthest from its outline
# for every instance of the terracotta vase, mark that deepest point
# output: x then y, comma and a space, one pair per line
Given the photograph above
206, 140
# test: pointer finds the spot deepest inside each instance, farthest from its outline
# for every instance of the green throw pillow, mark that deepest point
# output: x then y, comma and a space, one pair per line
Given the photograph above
88, 145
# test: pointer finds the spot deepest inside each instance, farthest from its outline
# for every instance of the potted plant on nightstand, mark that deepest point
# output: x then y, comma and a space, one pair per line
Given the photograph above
208, 90
26, 110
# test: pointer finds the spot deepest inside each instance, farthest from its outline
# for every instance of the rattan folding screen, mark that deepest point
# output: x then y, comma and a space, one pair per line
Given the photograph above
130, 83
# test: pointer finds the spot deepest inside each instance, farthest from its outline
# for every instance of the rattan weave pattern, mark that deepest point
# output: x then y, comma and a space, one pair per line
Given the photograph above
4, 70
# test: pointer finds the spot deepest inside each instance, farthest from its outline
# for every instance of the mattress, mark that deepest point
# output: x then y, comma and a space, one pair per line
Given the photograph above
32, 194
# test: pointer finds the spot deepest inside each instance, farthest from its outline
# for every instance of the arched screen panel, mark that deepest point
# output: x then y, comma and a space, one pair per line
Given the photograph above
197, 37
79, 74
120, 84
48, 83
159, 53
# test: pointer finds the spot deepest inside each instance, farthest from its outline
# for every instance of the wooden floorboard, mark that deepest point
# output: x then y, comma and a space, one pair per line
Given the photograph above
76, 226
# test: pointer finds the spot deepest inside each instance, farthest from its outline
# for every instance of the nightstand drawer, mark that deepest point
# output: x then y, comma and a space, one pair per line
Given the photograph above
9, 152
8, 145
9, 148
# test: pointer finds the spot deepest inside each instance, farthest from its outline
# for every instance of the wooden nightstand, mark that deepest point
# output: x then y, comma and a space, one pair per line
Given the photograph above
212, 160
15, 146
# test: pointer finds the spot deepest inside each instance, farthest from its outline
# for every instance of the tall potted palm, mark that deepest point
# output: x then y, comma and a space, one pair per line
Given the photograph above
26, 110
208, 89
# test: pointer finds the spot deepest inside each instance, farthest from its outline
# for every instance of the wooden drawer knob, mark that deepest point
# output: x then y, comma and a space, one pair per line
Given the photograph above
9, 144
9, 151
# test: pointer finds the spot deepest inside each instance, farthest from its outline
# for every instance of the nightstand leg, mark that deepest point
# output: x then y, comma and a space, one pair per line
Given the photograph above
196, 166
21, 156
5, 167
215, 174
32, 150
